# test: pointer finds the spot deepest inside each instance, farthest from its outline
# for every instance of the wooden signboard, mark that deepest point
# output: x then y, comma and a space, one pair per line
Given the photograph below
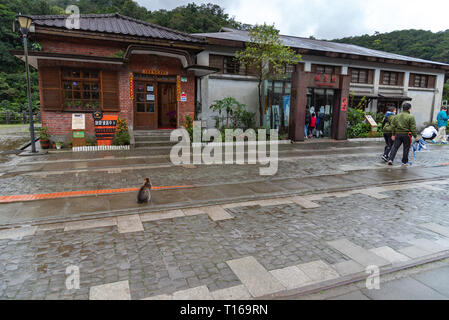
372, 123
78, 130
105, 129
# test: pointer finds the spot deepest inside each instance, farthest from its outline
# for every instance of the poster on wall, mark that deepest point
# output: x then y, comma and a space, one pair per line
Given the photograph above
78, 121
183, 97
286, 107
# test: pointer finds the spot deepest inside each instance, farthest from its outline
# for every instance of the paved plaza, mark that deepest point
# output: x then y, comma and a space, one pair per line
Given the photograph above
223, 231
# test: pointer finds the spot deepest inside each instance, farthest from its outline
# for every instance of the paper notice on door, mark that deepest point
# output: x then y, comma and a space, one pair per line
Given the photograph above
150, 97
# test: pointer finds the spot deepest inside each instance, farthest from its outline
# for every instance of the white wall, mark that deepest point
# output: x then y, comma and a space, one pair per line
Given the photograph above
244, 91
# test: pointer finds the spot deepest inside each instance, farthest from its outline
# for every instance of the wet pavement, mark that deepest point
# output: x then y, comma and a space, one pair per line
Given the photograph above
191, 251
345, 193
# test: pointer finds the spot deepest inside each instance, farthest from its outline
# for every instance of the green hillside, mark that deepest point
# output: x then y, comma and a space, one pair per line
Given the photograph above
191, 18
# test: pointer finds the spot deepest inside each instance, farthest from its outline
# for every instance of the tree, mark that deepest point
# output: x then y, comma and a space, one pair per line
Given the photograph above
228, 104
267, 56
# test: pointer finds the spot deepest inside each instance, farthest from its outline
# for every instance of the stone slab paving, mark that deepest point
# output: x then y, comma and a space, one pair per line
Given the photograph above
130, 223
17, 233
428, 245
345, 268
90, 224
437, 228
255, 277
415, 252
390, 255
217, 213
190, 251
111, 291
404, 289
233, 293
304, 202
318, 271
357, 253
198, 293
291, 277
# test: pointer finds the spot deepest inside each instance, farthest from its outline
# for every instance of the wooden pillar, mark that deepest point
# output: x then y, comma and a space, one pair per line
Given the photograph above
297, 106
342, 115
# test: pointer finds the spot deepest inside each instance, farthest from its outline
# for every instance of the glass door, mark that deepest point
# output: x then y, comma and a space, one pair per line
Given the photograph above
145, 115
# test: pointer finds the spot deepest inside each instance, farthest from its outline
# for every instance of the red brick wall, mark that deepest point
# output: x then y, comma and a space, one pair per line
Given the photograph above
60, 122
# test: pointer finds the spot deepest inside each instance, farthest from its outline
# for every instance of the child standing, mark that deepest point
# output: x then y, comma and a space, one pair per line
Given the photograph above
312, 124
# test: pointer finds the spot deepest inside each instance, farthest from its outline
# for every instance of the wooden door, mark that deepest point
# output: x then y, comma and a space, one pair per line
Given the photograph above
145, 102
167, 105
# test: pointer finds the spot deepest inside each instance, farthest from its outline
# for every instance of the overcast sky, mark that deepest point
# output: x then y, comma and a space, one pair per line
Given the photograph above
329, 19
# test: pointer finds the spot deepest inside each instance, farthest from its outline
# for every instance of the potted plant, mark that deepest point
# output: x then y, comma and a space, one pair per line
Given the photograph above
58, 145
78, 104
172, 116
44, 137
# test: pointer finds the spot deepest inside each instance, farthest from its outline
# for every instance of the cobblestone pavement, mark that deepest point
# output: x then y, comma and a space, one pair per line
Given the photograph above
187, 252
315, 163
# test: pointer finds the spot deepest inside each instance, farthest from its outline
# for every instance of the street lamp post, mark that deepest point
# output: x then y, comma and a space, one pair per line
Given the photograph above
25, 24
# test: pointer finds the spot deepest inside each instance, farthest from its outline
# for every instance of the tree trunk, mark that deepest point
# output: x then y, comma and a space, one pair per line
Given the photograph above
260, 104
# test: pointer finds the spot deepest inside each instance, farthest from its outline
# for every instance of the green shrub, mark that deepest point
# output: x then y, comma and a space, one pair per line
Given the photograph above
121, 137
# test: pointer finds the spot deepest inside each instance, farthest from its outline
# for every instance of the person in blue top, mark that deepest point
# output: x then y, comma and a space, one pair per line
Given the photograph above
442, 119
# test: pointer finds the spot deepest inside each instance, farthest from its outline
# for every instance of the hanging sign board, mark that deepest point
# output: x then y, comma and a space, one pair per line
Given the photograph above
184, 79
178, 88
344, 104
131, 86
183, 97
155, 72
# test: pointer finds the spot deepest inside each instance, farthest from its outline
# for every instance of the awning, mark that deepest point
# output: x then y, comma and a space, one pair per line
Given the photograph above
367, 95
201, 71
34, 55
394, 97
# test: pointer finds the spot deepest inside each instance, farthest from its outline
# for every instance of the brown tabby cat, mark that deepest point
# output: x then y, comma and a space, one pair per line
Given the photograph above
144, 195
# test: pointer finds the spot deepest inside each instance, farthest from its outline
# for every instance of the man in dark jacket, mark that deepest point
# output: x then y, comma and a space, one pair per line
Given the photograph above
403, 128
387, 130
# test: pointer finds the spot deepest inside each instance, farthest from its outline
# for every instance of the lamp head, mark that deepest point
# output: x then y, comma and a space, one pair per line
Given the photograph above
24, 23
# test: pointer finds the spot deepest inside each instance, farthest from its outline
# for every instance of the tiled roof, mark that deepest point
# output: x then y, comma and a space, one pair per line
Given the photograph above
117, 24
318, 45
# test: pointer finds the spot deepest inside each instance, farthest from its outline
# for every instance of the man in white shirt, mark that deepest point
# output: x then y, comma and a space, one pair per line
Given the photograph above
429, 133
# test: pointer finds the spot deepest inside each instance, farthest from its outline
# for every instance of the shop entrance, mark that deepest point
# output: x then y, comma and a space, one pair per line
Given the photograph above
145, 101
320, 103
167, 115
155, 102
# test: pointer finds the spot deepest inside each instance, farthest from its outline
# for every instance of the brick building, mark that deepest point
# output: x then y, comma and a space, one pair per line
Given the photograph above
154, 77
141, 72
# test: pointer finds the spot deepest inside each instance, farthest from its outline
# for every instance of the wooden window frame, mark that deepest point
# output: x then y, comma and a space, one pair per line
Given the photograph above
388, 75
87, 104
355, 76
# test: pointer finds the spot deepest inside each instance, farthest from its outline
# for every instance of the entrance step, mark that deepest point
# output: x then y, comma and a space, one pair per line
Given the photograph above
153, 138
149, 144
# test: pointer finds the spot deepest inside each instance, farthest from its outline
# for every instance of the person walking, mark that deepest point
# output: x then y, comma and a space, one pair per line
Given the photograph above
403, 129
442, 119
387, 130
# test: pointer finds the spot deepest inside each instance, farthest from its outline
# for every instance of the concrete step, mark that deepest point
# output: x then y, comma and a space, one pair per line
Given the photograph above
154, 144
142, 138
152, 132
